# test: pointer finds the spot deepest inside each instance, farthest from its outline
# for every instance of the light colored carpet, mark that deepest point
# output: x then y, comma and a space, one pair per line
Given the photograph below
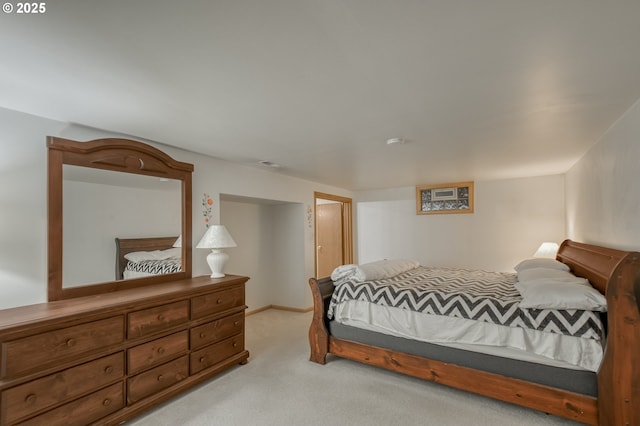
280, 386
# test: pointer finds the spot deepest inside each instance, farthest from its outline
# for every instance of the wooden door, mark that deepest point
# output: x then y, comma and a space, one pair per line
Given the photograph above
329, 238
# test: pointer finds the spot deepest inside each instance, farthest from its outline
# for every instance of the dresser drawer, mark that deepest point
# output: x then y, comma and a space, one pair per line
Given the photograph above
217, 330
21, 401
213, 354
83, 411
155, 380
217, 302
156, 352
45, 349
149, 321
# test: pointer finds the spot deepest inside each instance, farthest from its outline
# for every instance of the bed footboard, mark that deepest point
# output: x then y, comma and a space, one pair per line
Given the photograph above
321, 291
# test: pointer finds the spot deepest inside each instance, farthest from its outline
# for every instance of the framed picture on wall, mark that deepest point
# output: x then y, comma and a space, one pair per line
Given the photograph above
445, 198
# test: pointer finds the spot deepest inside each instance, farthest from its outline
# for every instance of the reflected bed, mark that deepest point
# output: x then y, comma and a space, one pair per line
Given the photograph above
145, 267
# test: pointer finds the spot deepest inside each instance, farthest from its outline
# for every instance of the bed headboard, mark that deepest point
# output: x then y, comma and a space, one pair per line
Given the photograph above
595, 263
129, 245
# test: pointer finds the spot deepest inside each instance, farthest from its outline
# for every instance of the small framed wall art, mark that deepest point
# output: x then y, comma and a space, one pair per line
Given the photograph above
445, 198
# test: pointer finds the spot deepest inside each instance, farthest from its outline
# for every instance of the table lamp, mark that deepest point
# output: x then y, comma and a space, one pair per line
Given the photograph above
217, 237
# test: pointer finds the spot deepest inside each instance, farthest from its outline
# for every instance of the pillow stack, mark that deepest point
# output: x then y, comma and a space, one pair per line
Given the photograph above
548, 284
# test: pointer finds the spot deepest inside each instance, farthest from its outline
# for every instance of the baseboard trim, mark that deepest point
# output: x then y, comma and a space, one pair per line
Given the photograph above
279, 308
255, 311
286, 308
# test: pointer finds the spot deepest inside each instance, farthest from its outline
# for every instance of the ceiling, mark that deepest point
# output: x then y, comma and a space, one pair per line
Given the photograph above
478, 89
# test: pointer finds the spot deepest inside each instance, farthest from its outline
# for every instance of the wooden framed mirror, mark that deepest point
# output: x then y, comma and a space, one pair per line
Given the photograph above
98, 186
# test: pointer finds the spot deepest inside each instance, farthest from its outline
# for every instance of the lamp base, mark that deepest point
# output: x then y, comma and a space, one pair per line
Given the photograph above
216, 260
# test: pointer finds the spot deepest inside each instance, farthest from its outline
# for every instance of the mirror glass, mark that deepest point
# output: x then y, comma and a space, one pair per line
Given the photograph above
102, 205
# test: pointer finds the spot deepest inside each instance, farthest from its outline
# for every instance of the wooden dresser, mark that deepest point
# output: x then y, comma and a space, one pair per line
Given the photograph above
103, 359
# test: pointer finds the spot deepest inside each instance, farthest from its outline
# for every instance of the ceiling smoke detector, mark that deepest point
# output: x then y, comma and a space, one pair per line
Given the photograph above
394, 141
269, 163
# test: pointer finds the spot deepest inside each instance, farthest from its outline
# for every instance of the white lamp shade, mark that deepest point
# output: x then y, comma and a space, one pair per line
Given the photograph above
216, 238
546, 249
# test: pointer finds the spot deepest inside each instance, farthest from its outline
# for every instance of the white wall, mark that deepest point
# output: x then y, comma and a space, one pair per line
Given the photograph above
251, 227
288, 257
511, 219
270, 251
23, 204
23, 207
603, 195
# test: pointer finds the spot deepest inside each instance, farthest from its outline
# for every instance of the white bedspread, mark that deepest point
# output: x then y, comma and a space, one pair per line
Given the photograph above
513, 342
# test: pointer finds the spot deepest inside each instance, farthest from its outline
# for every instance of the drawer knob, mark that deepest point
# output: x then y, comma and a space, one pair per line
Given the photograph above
160, 350
202, 359
235, 344
203, 335
71, 343
106, 402
219, 301
160, 317
160, 377
237, 323
31, 398
108, 369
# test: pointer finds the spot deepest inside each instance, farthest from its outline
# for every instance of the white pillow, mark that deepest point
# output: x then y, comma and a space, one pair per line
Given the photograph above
344, 273
378, 270
561, 277
387, 268
541, 263
141, 256
549, 294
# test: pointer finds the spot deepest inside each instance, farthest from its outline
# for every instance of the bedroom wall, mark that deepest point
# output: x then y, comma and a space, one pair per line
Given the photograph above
603, 197
250, 225
270, 238
23, 207
290, 231
511, 218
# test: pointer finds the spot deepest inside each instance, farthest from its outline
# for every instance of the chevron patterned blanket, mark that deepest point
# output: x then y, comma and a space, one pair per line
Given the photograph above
470, 294
156, 267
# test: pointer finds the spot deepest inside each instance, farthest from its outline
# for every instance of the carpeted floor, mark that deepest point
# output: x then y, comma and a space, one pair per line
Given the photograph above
280, 386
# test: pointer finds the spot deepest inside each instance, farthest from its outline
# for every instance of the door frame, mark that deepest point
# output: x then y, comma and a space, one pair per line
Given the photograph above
347, 227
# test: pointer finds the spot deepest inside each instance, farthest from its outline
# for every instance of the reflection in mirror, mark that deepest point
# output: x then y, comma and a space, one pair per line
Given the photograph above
102, 205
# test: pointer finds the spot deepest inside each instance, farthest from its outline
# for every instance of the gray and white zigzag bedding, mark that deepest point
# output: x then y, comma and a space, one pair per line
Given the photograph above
470, 294
156, 267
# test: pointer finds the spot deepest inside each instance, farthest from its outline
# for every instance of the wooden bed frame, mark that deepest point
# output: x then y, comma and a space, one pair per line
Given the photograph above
615, 273
130, 245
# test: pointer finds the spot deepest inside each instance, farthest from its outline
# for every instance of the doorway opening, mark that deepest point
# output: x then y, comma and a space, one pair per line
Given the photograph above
333, 232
